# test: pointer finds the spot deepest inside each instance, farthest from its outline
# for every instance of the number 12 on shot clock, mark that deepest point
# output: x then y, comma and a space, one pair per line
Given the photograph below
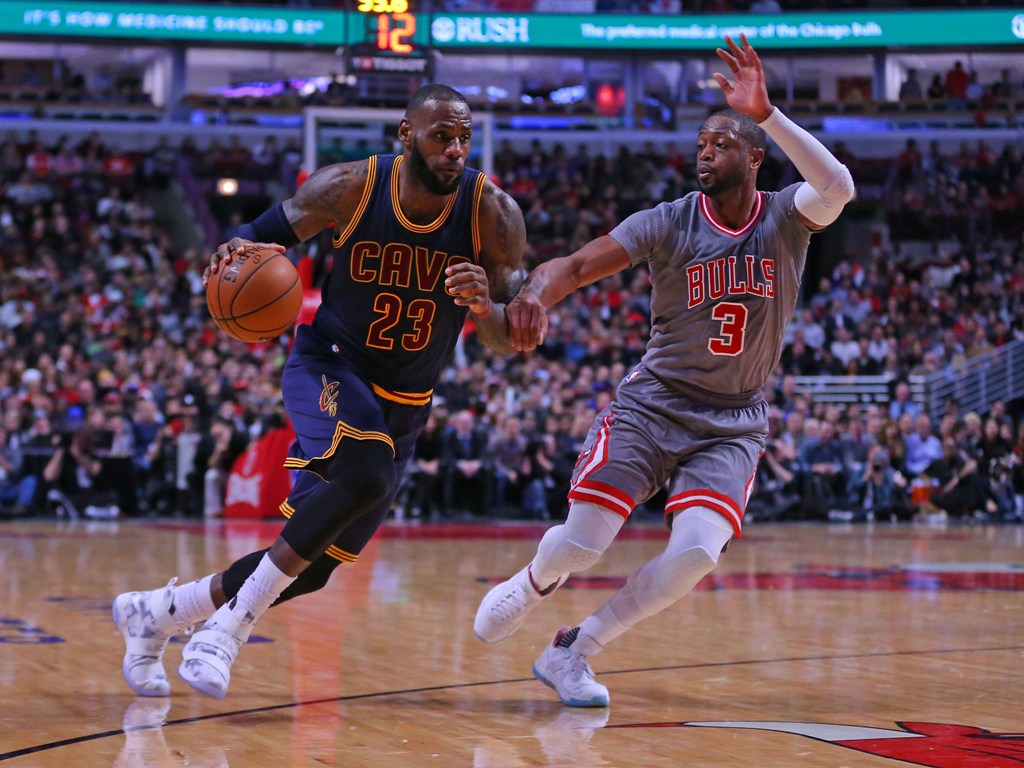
395, 25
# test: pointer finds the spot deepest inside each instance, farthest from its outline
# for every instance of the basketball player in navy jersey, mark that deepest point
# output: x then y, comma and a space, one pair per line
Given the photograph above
421, 240
725, 263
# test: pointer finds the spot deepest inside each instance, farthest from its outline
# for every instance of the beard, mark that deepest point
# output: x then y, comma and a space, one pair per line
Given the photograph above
423, 174
719, 184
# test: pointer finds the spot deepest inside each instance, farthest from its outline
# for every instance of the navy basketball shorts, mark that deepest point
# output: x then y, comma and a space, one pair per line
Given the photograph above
651, 436
328, 402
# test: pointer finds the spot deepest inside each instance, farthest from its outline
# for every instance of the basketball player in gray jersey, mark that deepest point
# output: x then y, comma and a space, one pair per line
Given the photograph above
725, 266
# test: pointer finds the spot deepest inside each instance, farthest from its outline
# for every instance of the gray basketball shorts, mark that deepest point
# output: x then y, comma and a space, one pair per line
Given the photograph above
651, 436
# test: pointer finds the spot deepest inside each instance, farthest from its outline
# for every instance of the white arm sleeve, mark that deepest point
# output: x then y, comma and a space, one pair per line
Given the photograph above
829, 184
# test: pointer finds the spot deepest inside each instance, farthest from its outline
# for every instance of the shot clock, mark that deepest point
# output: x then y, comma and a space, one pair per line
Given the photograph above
394, 38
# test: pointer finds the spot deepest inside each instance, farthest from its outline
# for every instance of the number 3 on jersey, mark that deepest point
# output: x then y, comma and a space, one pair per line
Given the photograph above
421, 311
733, 318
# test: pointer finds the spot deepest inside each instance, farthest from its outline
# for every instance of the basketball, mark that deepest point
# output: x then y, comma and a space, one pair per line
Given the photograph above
256, 297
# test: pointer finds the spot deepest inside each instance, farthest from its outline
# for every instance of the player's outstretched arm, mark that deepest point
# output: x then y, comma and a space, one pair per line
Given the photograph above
503, 240
829, 184
328, 195
553, 280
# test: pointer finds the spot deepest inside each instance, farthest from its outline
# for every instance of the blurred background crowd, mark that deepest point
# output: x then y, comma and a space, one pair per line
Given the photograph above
118, 397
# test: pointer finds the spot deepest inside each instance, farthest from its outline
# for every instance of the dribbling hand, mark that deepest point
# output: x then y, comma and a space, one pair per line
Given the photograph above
747, 94
227, 251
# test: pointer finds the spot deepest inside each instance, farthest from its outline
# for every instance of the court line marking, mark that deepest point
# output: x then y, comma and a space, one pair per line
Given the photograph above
434, 688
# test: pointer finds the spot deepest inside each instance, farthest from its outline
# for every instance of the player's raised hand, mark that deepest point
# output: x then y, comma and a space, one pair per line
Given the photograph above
747, 93
227, 251
527, 322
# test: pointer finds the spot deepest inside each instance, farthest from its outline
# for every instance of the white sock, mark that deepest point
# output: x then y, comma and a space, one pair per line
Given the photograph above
262, 588
586, 642
238, 615
192, 602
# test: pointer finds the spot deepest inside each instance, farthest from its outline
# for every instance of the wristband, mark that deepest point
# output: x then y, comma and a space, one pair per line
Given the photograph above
482, 315
272, 226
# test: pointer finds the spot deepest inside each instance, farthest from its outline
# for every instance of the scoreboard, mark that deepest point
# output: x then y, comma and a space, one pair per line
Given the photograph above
390, 37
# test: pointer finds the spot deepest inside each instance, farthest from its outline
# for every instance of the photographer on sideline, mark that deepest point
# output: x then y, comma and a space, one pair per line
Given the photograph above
879, 492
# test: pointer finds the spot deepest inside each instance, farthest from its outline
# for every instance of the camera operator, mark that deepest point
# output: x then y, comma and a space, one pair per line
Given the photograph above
879, 491
76, 471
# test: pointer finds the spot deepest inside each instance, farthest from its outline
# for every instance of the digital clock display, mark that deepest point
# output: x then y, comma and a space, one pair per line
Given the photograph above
394, 24
392, 38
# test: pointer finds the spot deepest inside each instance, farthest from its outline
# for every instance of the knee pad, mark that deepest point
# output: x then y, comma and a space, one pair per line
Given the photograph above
680, 571
566, 555
364, 468
558, 556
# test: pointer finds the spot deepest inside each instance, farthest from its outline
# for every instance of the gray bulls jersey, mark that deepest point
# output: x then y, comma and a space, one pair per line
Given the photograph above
721, 297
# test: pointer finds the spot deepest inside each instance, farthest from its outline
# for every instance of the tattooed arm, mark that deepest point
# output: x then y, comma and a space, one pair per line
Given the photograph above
503, 240
329, 195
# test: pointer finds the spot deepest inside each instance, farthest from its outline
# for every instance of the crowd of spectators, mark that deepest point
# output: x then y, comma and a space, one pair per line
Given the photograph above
117, 396
970, 195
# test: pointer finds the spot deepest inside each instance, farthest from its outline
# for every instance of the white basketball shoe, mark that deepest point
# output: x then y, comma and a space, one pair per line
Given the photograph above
146, 622
504, 609
567, 672
207, 658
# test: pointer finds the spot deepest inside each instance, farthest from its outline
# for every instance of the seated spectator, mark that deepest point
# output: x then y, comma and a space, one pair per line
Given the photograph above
777, 484
79, 484
425, 475
17, 487
218, 452
855, 442
507, 451
823, 472
464, 452
923, 447
901, 402
542, 493
958, 489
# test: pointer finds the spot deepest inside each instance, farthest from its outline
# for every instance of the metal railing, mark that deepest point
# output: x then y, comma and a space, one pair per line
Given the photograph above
975, 383
845, 389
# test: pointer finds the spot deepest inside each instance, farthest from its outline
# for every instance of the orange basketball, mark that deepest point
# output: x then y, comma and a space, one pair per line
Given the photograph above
256, 297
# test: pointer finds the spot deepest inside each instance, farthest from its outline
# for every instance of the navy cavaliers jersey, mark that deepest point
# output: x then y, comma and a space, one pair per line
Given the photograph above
384, 304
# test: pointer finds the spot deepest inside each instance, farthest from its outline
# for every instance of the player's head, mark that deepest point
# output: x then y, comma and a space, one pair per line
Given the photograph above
436, 132
730, 149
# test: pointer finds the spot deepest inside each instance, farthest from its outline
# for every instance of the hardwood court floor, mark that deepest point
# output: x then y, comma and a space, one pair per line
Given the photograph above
810, 646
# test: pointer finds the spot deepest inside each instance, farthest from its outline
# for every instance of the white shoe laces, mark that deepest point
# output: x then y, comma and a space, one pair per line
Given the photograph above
510, 604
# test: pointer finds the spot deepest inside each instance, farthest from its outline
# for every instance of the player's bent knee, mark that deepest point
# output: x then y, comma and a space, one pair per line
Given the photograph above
366, 470
681, 570
560, 554
575, 557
